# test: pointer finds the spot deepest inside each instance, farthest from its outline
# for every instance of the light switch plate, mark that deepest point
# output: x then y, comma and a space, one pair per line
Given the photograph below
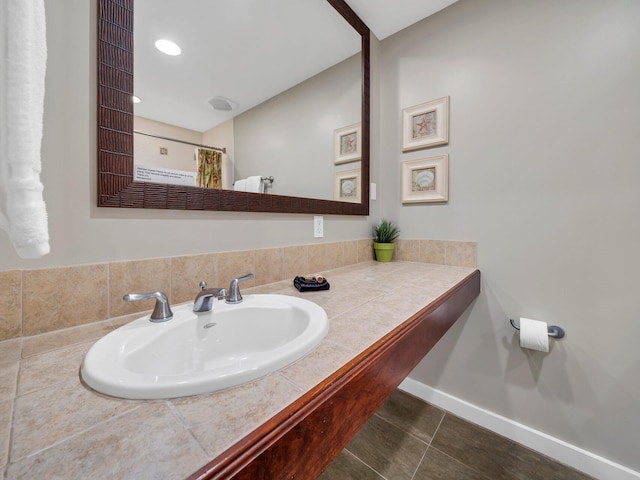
318, 226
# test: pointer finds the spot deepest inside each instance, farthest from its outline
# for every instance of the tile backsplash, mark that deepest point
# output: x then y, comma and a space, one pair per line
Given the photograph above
44, 300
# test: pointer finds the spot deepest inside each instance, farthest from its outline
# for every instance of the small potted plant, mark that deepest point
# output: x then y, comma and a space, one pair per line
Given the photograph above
385, 234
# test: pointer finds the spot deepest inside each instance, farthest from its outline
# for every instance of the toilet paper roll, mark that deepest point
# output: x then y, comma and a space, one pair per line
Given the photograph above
254, 184
534, 335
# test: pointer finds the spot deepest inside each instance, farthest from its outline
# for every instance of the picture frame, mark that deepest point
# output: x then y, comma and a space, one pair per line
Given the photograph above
425, 180
347, 144
347, 186
425, 125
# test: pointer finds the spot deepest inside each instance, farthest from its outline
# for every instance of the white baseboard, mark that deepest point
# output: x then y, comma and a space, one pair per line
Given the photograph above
559, 450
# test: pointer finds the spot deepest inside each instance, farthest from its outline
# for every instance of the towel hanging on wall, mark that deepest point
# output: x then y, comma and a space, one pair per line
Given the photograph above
23, 59
253, 184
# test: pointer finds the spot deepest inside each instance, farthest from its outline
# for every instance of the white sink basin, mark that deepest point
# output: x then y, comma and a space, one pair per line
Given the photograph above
196, 353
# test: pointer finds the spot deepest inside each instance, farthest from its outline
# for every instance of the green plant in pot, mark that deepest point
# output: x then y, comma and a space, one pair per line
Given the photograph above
385, 234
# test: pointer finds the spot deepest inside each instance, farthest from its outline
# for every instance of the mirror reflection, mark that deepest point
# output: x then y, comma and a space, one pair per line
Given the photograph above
251, 109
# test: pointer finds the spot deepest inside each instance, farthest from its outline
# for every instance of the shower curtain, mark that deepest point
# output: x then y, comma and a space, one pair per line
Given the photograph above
209, 168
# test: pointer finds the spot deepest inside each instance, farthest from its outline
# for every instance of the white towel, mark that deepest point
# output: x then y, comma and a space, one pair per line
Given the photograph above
23, 59
240, 185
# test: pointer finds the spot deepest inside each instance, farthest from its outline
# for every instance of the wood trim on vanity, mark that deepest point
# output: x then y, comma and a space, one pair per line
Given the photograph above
303, 439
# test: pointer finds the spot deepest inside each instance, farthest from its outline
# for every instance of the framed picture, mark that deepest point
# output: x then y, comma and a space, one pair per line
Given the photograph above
425, 180
425, 125
347, 144
346, 186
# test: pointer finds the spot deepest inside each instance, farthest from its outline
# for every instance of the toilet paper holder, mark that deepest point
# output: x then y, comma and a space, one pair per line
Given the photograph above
553, 331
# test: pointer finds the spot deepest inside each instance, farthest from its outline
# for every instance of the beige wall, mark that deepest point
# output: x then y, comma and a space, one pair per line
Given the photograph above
544, 173
81, 232
179, 156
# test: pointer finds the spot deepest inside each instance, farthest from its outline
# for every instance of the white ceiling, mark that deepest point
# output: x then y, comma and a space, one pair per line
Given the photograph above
247, 50
386, 17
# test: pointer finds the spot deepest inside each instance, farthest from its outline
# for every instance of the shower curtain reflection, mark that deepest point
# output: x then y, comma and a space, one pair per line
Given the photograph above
209, 174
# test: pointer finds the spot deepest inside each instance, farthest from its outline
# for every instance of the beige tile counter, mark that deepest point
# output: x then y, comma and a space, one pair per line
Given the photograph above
51, 426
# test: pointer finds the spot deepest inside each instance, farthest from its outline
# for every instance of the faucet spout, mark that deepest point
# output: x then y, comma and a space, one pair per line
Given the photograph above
206, 296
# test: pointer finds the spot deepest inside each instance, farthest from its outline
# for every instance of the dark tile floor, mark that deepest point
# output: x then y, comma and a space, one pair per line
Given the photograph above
409, 439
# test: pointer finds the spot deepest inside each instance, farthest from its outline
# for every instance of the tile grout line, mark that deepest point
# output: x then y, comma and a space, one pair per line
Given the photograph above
429, 445
13, 401
171, 280
302, 388
365, 464
452, 458
420, 462
71, 437
108, 290
71, 344
11, 426
21, 308
433, 437
185, 424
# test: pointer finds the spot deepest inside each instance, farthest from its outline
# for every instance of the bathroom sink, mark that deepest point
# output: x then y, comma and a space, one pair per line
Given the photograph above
196, 353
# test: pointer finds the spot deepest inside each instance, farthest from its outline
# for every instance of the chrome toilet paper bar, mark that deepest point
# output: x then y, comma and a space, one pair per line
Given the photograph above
552, 330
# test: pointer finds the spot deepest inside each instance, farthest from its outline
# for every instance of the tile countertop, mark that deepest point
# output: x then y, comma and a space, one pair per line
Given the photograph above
61, 429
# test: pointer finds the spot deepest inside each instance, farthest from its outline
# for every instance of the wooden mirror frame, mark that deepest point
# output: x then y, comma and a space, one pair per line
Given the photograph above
116, 187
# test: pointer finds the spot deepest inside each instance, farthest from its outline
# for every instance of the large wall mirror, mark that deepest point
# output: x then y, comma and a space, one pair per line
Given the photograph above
316, 170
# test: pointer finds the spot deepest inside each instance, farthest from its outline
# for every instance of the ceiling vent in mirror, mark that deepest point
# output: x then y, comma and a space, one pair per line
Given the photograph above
223, 104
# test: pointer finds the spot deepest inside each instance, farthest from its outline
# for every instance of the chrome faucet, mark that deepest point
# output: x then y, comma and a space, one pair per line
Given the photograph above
206, 296
161, 312
234, 291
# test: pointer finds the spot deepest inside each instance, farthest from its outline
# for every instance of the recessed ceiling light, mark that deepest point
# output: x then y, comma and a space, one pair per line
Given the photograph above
168, 47
135, 99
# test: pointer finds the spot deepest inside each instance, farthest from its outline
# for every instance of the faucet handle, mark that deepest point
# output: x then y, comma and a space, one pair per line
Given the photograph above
161, 312
234, 290
202, 285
